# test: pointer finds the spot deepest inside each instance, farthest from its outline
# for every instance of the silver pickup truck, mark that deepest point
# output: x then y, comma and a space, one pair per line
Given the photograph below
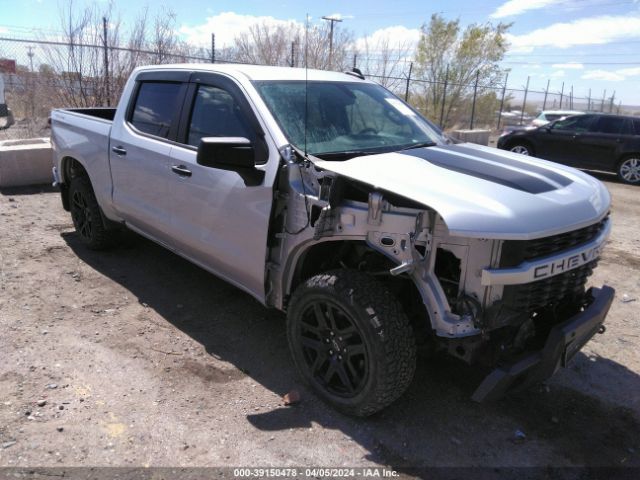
323, 195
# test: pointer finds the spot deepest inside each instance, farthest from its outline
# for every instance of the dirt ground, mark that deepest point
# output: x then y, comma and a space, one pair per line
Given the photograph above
135, 357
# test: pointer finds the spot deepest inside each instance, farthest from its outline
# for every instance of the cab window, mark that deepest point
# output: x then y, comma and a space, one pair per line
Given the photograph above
156, 104
215, 113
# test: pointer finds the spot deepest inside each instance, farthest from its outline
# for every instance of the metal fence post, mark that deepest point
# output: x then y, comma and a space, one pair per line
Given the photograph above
213, 48
524, 101
604, 95
504, 91
406, 90
589, 102
561, 95
611, 104
293, 54
571, 99
355, 61
444, 97
473, 105
107, 86
546, 93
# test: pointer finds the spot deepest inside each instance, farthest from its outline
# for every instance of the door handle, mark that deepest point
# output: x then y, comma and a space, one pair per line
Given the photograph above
181, 170
119, 150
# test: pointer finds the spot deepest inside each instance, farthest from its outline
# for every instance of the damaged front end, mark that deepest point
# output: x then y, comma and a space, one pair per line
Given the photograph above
519, 307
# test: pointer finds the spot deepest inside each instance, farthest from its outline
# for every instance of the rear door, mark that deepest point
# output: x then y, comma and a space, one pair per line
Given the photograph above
217, 220
601, 146
558, 142
140, 150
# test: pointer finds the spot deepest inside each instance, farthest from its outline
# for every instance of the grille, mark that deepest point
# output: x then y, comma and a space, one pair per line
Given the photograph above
514, 252
532, 296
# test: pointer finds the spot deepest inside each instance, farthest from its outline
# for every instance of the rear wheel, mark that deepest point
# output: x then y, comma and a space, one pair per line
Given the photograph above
86, 215
629, 170
521, 148
351, 341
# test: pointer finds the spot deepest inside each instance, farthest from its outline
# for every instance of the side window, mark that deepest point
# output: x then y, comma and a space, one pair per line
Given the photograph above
636, 126
578, 123
216, 114
155, 106
613, 125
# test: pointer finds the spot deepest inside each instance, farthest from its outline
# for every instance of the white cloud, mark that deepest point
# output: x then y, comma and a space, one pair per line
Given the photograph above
340, 16
603, 75
4, 30
516, 7
612, 75
226, 26
629, 72
558, 74
584, 31
570, 65
398, 36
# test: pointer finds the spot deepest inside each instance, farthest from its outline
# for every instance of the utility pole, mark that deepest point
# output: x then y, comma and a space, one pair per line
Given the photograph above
107, 87
30, 55
332, 20
32, 89
213, 48
293, 54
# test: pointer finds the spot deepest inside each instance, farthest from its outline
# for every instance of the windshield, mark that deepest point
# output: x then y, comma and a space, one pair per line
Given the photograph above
344, 117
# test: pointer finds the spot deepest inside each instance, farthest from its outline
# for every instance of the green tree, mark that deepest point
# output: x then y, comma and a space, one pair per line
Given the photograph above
446, 52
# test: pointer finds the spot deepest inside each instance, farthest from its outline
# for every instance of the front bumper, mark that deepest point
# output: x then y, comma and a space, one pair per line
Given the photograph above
564, 341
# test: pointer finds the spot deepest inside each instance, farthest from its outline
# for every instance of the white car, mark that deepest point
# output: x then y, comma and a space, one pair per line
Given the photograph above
549, 116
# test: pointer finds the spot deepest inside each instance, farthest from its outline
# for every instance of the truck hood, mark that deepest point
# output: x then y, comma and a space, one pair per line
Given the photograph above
483, 192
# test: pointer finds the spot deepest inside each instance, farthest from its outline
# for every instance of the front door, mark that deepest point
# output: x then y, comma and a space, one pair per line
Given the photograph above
559, 141
217, 220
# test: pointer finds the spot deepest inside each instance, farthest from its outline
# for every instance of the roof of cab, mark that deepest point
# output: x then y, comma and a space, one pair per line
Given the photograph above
258, 72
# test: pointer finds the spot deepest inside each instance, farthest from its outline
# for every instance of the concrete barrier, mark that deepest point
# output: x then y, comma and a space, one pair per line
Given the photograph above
481, 137
25, 162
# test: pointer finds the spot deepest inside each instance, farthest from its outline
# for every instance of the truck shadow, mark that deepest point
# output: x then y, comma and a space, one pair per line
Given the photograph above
434, 423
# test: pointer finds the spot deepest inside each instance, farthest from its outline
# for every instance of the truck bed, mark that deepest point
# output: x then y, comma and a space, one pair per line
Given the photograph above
104, 113
83, 134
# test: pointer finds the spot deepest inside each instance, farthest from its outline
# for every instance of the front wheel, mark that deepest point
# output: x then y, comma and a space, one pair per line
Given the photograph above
629, 170
521, 148
351, 341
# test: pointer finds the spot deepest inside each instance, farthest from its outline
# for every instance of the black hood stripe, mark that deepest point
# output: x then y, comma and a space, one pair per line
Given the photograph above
500, 157
512, 174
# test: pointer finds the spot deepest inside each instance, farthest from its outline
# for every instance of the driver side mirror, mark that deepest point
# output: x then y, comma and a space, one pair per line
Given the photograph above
226, 153
235, 154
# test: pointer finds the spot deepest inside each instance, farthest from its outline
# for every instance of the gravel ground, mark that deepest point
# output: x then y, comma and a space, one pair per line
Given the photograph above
135, 357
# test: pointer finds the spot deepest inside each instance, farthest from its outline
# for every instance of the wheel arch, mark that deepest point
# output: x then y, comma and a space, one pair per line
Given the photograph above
331, 254
70, 168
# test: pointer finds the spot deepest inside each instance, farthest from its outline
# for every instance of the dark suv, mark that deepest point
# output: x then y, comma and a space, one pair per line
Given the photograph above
592, 141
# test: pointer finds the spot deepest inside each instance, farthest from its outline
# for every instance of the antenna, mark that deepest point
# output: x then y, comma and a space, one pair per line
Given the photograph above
306, 82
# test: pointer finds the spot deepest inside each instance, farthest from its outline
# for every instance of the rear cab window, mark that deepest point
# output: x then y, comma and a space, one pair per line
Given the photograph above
155, 106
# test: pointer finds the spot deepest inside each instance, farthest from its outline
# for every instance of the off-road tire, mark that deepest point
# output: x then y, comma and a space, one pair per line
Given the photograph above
86, 215
382, 328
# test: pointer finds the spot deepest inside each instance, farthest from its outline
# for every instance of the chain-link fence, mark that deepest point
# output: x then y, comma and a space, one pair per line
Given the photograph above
40, 75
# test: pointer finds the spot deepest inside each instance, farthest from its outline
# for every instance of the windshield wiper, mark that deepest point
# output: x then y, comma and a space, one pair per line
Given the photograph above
346, 153
419, 145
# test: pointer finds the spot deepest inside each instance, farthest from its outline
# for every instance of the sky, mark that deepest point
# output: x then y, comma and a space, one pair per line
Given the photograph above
587, 44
